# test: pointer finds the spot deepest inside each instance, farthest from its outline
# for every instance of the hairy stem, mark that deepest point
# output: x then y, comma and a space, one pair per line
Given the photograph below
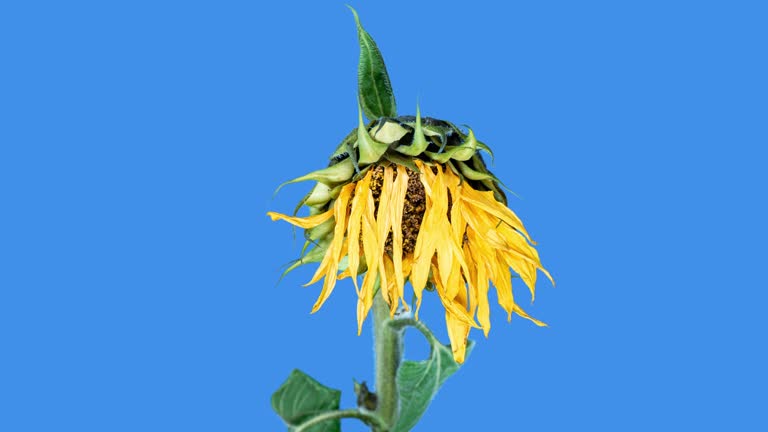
388, 347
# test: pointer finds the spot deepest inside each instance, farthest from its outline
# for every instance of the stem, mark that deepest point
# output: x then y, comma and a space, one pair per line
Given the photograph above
388, 347
367, 418
401, 323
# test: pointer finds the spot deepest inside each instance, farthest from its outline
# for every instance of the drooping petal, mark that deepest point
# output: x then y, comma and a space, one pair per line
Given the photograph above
396, 208
359, 203
391, 287
458, 330
451, 305
502, 280
383, 226
478, 298
522, 313
512, 245
407, 266
424, 248
370, 248
303, 222
340, 208
438, 225
458, 222
483, 306
487, 202
518, 246
457, 333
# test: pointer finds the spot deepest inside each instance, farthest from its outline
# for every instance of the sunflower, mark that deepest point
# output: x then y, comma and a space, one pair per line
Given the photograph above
411, 199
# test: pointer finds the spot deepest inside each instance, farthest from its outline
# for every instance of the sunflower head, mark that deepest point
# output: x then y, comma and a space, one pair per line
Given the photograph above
410, 198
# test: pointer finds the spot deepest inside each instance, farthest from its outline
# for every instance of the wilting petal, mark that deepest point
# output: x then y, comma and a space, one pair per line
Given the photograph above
457, 333
458, 310
486, 202
383, 226
521, 312
396, 216
391, 286
370, 247
502, 280
303, 222
359, 203
333, 254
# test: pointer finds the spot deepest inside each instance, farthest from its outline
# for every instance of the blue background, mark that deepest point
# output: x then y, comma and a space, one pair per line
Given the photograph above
140, 143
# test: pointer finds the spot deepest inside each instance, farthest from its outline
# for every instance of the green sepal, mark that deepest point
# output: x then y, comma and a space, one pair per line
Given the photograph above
389, 132
373, 86
484, 147
316, 254
332, 175
418, 382
472, 174
480, 145
462, 152
419, 143
437, 134
370, 149
399, 159
341, 149
301, 398
314, 234
319, 194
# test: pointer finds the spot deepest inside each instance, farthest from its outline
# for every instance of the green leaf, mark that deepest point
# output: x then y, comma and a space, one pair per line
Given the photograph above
373, 86
301, 398
418, 382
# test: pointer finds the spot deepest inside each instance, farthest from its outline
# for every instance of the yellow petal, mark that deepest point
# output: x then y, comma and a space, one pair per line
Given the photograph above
451, 305
323, 268
355, 219
396, 216
486, 202
391, 287
483, 308
340, 207
458, 222
407, 265
424, 248
303, 222
365, 300
502, 280
370, 247
521, 312
457, 333
370, 239
484, 256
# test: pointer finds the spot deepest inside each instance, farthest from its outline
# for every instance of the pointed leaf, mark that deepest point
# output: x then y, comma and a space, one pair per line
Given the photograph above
374, 89
301, 398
